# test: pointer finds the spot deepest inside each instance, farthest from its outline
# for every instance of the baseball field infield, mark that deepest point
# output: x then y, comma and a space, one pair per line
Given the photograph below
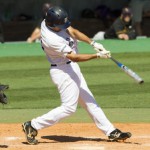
75, 136
25, 68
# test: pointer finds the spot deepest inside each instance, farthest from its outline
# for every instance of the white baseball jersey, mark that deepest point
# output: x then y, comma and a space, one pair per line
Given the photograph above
70, 82
57, 44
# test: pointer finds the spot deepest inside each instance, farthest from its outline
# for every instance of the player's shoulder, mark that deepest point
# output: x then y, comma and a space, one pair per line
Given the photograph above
43, 23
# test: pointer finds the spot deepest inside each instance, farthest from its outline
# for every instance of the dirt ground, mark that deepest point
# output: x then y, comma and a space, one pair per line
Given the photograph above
74, 136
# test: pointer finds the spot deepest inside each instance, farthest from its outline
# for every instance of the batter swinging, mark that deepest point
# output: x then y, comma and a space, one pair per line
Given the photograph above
59, 42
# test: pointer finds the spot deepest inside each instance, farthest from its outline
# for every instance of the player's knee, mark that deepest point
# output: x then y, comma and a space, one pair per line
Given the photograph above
70, 109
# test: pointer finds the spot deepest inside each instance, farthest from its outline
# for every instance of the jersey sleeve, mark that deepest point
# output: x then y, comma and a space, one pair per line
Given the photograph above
65, 49
56, 47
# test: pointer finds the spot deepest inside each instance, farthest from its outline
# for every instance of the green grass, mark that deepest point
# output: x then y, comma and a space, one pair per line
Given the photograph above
25, 68
31, 86
115, 46
124, 115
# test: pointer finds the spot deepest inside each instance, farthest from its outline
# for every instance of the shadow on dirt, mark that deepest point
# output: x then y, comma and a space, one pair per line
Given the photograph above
62, 138
3, 146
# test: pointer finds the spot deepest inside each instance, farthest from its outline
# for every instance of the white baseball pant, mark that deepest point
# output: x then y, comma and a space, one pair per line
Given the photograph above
72, 88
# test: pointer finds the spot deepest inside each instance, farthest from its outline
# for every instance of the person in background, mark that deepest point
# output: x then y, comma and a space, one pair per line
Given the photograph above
121, 28
37, 31
139, 8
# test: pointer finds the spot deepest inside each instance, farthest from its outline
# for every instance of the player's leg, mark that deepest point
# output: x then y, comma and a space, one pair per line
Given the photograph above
87, 101
69, 92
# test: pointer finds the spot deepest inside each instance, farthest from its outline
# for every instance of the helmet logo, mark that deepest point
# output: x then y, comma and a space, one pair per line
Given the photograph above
65, 20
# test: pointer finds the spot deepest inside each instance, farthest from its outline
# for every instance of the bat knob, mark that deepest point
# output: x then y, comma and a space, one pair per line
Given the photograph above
142, 81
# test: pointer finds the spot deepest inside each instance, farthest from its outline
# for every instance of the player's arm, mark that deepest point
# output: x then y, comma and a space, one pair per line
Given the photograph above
82, 37
80, 57
85, 57
35, 35
78, 35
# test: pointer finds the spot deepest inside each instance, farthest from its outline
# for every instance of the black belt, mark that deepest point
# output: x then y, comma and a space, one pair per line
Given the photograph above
55, 65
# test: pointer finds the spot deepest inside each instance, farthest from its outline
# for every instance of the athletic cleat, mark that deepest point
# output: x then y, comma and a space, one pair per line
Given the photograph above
30, 133
117, 135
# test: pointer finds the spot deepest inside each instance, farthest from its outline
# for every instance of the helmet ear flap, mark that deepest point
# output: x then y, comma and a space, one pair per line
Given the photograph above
49, 24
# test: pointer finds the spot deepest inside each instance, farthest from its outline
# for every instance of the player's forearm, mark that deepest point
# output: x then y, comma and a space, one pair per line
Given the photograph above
82, 37
36, 36
81, 57
79, 35
33, 38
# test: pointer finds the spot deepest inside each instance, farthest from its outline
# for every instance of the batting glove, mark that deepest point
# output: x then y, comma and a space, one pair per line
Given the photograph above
98, 46
102, 54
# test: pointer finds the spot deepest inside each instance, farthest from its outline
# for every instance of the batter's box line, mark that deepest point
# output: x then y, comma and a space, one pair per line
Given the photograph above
141, 137
86, 147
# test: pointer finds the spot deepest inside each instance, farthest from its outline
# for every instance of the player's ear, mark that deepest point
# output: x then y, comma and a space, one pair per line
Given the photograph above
70, 52
48, 24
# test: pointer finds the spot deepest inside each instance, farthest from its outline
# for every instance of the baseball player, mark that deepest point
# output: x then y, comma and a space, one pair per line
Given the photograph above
59, 42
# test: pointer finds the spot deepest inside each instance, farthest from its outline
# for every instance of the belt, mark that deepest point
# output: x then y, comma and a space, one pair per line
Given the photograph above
55, 65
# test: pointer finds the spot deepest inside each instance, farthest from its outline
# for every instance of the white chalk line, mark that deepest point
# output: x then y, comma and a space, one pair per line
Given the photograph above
147, 144
141, 137
12, 138
86, 146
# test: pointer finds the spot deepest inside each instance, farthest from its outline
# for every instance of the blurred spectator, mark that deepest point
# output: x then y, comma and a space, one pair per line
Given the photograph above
106, 14
37, 31
120, 29
87, 13
139, 8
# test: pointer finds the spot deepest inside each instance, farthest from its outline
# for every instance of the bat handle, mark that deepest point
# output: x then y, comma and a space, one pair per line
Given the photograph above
117, 62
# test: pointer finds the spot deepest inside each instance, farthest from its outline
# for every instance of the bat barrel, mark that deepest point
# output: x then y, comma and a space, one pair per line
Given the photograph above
133, 75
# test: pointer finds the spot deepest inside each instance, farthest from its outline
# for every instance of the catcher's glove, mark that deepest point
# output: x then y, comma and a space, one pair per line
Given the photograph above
3, 97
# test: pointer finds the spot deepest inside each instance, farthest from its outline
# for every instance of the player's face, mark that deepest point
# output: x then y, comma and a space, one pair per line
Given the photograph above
127, 19
56, 29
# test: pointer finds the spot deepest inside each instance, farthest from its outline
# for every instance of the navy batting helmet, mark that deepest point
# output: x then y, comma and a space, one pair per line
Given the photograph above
57, 17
